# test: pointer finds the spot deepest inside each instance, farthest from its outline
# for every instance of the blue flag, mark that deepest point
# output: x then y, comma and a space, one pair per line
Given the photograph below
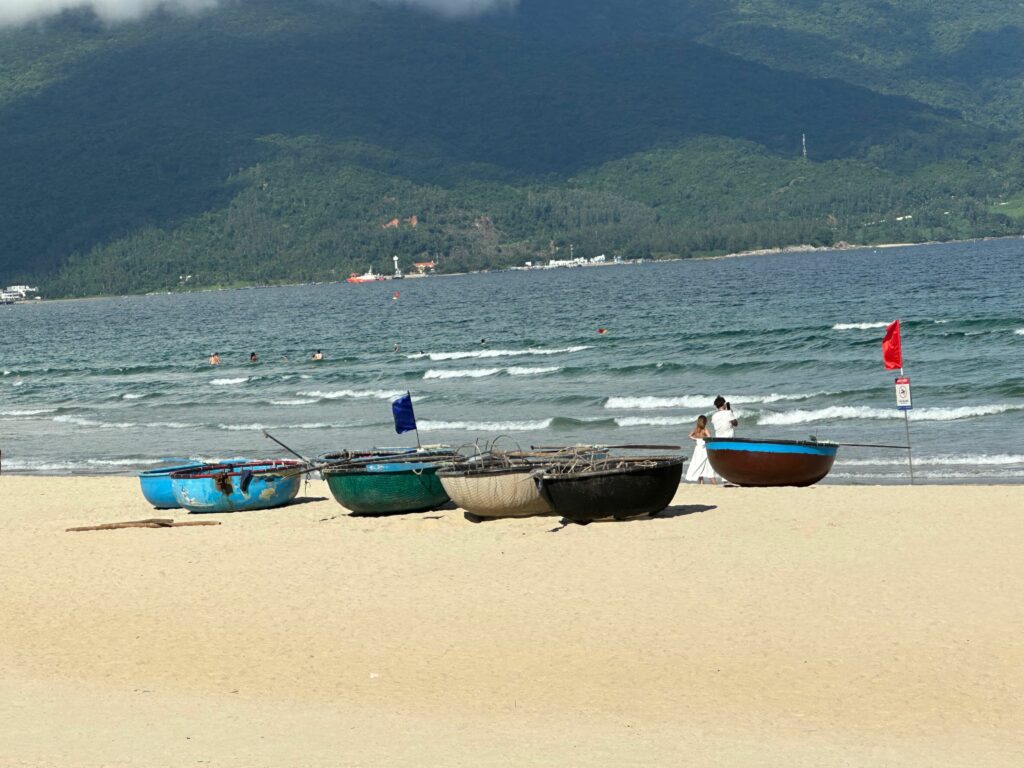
405, 419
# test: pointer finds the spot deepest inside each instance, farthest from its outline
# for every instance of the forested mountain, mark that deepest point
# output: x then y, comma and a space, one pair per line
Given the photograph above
270, 141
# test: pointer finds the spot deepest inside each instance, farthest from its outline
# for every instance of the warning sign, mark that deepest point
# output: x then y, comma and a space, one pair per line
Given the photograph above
903, 401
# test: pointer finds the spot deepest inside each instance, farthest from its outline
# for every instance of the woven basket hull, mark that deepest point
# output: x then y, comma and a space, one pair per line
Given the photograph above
496, 493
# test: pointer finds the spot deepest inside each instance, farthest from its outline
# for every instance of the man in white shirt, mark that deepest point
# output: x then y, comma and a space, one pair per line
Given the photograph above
723, 419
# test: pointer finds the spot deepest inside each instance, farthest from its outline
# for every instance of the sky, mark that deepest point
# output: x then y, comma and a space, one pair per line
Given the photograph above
13, 12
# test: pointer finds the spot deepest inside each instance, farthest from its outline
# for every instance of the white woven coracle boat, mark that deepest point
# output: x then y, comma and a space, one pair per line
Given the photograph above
495, 491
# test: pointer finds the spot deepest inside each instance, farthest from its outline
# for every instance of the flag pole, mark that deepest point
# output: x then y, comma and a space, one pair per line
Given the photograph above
416, 428
910, 451
892, 358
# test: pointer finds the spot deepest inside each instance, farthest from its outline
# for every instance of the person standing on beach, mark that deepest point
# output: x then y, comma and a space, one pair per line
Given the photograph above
723, 419
700, 468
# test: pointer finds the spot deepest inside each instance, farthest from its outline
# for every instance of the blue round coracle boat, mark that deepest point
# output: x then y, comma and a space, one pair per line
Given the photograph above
156, 485
769, 463
238, 487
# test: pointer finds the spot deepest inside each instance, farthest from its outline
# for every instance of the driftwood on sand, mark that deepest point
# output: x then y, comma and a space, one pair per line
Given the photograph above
156, 522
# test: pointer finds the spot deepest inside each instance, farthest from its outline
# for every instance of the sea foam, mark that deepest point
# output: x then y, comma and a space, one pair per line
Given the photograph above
862, 412
355, 394
486, 426
705, 402
976, 460
485, 353
652, 421
526, 371
472, 373
857, 326
77, 420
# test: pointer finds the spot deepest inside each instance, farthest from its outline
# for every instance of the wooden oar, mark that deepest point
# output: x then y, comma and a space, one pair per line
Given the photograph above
872, 445
605, 447
293, 453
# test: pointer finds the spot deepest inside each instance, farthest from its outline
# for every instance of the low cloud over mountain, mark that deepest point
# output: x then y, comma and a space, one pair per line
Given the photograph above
14, 12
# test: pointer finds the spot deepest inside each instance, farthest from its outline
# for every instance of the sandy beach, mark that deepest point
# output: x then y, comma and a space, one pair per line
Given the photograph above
830, 626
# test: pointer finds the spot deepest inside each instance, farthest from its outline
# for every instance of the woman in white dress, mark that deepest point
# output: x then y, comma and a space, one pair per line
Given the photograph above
700, 468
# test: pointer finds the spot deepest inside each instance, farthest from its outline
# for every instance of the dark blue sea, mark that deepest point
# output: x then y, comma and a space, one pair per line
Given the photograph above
792, 340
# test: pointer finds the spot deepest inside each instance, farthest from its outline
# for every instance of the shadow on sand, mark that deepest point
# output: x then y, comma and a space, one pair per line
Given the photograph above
678, 510
305, 500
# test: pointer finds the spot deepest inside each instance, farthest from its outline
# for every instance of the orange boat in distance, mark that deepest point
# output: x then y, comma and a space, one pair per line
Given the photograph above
368, 277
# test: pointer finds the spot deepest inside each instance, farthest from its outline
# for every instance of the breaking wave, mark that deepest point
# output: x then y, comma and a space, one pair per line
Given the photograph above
229, 382
653, 421
698, 401
857, 326
479, 373
863, 412
257, 427
299, 401
486, 426
992, 460
19, 465
28, 412
355, 394
77, 420
525, 371
472, 373
485, 353
83, 422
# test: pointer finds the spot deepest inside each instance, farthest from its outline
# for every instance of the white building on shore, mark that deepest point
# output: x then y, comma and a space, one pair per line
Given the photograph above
15, 293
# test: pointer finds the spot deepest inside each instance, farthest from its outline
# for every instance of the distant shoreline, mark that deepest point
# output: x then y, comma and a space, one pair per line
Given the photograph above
843, 246
786, 249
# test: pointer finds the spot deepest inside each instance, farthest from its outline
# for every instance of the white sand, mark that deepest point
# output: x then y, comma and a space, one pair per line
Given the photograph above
831, 626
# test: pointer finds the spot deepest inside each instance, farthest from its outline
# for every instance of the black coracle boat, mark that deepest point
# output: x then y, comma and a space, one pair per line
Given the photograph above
614, 487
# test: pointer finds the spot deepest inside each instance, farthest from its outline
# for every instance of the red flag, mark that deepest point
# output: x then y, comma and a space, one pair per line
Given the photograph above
892, 352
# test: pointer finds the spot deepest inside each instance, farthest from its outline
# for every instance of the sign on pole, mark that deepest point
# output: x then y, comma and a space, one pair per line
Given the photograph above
903, 400
904, 403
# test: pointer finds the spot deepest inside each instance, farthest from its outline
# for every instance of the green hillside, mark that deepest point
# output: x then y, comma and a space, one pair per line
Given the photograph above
272, 142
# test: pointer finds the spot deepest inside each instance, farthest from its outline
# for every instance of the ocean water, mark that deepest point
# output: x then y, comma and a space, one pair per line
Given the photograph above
793, 340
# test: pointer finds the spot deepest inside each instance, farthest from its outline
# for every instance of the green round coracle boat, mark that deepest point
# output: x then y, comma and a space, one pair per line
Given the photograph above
389, 488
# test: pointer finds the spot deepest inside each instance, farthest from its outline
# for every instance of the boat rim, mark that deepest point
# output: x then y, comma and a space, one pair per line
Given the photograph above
170, 470
490, 471
760, 441
378, 468
269, 467
637, 462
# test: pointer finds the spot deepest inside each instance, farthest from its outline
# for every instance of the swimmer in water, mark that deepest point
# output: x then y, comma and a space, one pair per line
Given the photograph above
253, 357
318, 356
215, 358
